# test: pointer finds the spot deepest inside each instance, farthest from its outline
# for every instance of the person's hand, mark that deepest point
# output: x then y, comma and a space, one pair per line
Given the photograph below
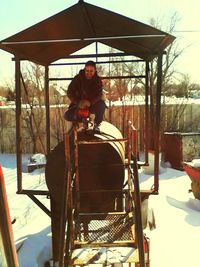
84, 103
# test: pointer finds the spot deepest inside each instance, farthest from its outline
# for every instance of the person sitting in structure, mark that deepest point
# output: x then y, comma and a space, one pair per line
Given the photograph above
85, 91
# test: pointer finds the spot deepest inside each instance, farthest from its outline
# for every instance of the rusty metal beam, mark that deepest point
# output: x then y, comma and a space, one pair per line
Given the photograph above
47, 109
138, 213
157, 123
6, 232
146, 134
99, 62
33, 192
18, 124
102, 77
97, 39
119, 54
40, 204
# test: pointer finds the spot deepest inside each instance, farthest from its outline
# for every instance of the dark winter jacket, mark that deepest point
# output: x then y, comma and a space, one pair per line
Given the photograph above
82, 88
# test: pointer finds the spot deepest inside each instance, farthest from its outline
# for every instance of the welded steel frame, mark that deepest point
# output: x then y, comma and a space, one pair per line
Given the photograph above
47, 79
134, 192
30, 193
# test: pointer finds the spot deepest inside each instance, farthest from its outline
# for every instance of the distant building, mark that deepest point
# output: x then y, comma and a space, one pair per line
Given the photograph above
2, 101
195, 93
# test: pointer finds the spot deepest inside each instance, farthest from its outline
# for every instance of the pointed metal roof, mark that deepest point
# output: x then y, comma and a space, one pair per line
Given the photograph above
80, 25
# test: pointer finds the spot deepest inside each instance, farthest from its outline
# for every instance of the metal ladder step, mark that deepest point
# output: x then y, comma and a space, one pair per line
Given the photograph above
104, 229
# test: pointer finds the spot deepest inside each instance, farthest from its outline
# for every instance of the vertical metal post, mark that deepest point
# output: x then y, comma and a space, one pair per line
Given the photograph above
138, 213
68, 199
9, 256
110, 107
146, 143
76, 163
65, 205
18, 125
96, 46
157, 122
47, 108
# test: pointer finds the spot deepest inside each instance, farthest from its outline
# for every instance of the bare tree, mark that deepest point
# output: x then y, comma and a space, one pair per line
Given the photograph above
34, 118
33, 99
131, 88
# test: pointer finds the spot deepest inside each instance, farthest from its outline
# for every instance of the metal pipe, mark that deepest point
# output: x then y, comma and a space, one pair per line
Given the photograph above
138, 213
48, 137
96, 48
66, 206
85, 39
146, 142
109, 55
120, 54
157, 123
134, 140
34, 192
18, 124
103, 78
40, 204
97, 62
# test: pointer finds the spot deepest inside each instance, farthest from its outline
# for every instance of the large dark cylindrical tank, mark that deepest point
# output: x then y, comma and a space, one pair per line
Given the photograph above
101, 167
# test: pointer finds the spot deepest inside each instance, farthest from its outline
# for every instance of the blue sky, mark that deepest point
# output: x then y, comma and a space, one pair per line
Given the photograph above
16, 15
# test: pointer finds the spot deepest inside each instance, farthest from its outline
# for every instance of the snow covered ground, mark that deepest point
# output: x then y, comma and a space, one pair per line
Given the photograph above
174, 242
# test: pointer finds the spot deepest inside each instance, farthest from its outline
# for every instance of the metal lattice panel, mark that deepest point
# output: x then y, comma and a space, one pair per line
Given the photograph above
114, 227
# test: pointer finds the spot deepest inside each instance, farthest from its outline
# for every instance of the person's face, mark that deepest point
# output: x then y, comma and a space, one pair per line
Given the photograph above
89, 72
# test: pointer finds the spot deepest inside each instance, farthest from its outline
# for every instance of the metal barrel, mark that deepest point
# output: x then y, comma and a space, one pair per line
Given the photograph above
101, 168
101, 165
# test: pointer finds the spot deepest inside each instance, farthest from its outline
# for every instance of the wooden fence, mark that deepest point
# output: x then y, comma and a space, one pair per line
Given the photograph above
178, 118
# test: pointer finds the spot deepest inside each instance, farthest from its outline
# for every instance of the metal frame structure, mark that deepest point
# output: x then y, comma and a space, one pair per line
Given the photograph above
47, 46
79, 237
44, 47
33, 193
